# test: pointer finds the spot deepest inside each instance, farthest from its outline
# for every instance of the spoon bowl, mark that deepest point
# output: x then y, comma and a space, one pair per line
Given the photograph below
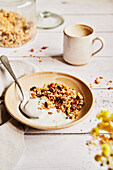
24, 101
24, 111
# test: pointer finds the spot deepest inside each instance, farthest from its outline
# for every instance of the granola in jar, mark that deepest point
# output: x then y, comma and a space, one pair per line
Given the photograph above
15, 30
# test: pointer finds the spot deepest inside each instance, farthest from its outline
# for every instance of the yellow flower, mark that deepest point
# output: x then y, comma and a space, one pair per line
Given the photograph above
95, 131
105, 113
111, 117
106, 150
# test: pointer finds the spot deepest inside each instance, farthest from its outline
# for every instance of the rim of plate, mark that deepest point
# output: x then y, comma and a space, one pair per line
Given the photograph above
76, 121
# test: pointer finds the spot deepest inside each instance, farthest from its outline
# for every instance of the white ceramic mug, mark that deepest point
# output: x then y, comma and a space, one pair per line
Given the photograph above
78, 44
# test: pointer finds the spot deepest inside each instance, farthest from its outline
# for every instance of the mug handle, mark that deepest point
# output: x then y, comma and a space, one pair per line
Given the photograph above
102, 44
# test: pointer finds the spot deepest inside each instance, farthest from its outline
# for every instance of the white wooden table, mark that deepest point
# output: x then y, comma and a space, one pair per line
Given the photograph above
66, 149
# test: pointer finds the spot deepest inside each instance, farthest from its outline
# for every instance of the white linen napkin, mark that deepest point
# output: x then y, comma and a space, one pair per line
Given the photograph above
11, 132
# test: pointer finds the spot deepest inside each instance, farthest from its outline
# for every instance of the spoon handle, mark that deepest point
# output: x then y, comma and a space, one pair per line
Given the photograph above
7, 65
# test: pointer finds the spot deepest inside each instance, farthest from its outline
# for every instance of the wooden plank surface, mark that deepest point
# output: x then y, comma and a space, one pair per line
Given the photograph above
76, 7
58, 152
66, 149
99, 66
55, 43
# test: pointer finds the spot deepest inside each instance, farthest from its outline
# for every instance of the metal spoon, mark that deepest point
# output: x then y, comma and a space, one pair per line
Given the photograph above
24, 101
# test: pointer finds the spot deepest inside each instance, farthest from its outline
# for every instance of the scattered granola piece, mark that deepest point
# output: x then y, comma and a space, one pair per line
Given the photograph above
110, 81
110, 88
44, 47
40, 61
101, 77
40, 51
97, 81
91, 86
25, 56
32, 50
50, 113
15, 51
31, 55
39, 108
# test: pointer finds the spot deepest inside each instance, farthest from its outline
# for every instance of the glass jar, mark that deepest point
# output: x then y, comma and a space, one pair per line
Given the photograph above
17, 22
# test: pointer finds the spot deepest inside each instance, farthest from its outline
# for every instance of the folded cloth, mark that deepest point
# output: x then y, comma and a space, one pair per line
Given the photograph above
11, 132
20, 68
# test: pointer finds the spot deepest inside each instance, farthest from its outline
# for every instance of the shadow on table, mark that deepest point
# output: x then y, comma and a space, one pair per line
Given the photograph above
59, 57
